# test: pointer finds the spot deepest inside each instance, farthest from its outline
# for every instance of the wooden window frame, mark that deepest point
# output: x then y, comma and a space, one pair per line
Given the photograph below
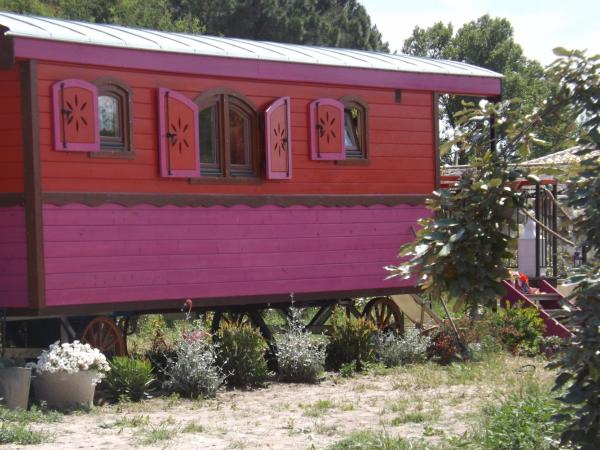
109, 147
353, 101
226, 100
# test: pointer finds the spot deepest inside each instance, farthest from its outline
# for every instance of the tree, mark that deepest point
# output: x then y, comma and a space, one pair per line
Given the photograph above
333, 23
488, 42
460, 251
579, 82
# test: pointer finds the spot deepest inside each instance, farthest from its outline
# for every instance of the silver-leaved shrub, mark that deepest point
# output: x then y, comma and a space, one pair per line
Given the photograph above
394, 350
194, 370
300, 355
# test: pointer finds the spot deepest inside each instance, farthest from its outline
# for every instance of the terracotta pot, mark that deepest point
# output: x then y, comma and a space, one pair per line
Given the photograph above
14, 387
62, 390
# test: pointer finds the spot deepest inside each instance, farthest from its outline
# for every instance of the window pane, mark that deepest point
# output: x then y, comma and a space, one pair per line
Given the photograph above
351, 120
209, 153
110, 122
239, 138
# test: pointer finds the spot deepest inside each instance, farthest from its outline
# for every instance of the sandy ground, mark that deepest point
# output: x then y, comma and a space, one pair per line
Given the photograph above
426, 404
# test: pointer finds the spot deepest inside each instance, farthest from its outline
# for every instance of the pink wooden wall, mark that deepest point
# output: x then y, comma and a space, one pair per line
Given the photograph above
13, 257
112, 253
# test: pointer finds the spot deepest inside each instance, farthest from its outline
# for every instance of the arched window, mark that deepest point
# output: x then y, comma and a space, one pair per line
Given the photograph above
229, 135
355, 127
114, 117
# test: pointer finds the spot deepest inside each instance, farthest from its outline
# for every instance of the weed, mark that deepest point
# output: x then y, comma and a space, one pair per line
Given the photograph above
152, 435
18, 433
318, 408
15, 425
372, 440
128, 422
192, 427
521, 421
413, 417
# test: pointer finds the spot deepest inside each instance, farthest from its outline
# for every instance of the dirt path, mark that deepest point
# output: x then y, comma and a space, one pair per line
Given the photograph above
423, 402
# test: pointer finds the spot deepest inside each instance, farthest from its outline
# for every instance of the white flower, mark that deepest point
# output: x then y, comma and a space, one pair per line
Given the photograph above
71, 357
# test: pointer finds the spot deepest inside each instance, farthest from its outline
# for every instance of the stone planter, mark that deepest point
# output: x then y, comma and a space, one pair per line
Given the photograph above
14, 387
62, 390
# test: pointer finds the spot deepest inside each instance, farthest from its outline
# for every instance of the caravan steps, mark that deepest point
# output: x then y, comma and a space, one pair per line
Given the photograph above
553, 308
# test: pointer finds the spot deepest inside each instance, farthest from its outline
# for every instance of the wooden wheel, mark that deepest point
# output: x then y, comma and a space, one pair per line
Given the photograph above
385, 314
102, 333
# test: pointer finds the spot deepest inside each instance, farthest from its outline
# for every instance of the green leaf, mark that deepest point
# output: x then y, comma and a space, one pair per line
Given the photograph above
445, 251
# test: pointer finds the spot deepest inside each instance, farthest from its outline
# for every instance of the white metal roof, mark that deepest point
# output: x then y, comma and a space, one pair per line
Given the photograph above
123, 37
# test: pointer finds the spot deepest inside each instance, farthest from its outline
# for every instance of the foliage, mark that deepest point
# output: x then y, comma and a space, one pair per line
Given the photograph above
489, 42
523, 421
343, 23
351, 341
461, 251
394, 350
444, 347
580, 366
519, 328
129, 378
579, 81
194, 371
242, 355
300, 357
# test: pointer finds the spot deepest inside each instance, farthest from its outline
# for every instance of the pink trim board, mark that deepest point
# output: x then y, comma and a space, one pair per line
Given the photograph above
261, 70
112, 253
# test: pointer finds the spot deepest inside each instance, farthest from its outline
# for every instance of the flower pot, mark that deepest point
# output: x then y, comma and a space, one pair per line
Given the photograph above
14, 387
63, 390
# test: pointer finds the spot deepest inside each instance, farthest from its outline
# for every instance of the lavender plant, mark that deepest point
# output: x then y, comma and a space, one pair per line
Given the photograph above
194, 371
300, 357
393, 350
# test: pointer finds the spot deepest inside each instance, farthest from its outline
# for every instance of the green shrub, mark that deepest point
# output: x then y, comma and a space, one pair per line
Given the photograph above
300, 357
242, 355
351, 340
519, 328
443, 347
194, 371
129, 378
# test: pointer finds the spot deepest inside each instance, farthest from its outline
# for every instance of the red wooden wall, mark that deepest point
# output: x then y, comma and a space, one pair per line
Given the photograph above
11, 139
13, 257
401, 140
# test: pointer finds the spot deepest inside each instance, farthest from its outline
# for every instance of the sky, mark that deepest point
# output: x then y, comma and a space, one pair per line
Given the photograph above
539, 26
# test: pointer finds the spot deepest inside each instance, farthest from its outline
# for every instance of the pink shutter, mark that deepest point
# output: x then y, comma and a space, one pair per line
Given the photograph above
75, 116
326, 129
179, 141
278, 140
